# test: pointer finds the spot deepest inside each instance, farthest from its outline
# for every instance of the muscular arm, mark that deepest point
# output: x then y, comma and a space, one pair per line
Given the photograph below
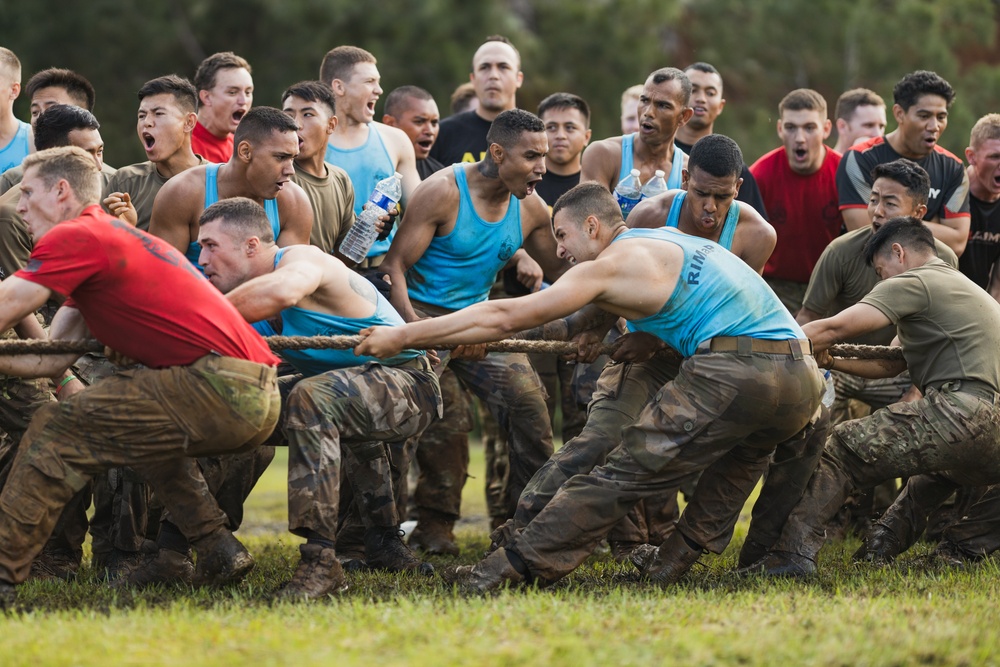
429, 209
176, 209
650, 213
757, 239
953, 232
805, 316
295, 213
601, 160
267, 295
859, 319
406, 161
68, 324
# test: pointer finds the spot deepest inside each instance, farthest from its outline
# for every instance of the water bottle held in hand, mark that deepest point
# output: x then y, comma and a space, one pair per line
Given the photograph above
654, 186
628, 192
362, 235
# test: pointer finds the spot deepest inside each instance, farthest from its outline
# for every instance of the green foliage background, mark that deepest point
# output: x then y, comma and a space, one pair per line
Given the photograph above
595, 48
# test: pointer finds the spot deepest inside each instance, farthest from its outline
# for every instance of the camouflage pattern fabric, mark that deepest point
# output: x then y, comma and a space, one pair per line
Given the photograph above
150, 419
719, 406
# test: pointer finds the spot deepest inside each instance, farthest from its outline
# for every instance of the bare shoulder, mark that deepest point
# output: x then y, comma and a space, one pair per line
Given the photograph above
651, 213
392, 135
292, 195
535, 211
437, 192
188, 182
603, 149
752, 225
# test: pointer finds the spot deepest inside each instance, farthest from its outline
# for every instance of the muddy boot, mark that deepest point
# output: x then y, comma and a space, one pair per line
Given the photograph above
8, 595
492, 572
879, 545
384, 550
501, 536
168, 567
222, 559
951, 555
668, 562
751, 552
622, 551
781, 564
434, 535
318, 574
55, 564
117, 563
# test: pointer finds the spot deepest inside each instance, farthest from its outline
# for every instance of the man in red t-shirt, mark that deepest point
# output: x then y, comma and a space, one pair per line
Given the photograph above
208, 386
799, 185
225, 94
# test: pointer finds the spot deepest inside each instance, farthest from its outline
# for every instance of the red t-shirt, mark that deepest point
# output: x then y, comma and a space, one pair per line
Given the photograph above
804, 210
209, 146
139, 295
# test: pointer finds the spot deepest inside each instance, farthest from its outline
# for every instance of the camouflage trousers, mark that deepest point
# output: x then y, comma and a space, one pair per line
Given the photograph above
877, 393
154, 420
556, 375
723, 410
348, 414
954, 430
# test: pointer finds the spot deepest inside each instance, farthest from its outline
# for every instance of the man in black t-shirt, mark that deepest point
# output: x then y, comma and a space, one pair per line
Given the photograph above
707, 103
921, 100
567, 126
496, 76
979, 259
414, 111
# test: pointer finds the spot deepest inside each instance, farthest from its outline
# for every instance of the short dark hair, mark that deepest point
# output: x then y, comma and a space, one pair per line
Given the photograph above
717, 155
850, 100
311, 91
75, 85
241, 213
588, 199
182, 90
204, 77
396, 101
673, 74
907, 231
461, 98
260, 122
803, 99
52, 127
703, 67
907, 173
338, 62
565, 101
915, 85
509, 125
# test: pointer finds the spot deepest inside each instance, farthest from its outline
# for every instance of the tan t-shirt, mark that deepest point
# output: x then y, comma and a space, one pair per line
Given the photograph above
15, 241
141, 181
949, 327
332, 200
842, 278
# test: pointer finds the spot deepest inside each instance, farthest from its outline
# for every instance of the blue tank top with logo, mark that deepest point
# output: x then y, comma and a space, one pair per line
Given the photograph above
212, 196
717, 294
301, 322
728, 225
367, 164
458, 269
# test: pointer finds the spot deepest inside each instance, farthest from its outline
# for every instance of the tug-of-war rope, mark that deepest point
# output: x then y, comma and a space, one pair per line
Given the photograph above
277, 343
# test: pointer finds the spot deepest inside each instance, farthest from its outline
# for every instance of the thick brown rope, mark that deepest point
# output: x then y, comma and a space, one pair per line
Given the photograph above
279, 343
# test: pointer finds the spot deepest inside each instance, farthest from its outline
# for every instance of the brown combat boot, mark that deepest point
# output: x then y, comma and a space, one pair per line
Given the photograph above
222, 559
384, 550
168, 567
8, 595
667, 563
317, 575
55, 564
489, 574
434, 534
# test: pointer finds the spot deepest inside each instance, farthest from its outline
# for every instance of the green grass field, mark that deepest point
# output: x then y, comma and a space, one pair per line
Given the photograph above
913, 612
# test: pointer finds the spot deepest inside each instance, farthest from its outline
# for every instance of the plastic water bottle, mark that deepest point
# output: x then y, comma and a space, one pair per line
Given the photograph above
830, 394
654, 186
362, 235
628, 192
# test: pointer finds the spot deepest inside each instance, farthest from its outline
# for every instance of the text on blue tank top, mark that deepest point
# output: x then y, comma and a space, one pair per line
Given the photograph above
717, 294
301, 322
212, 196
458, 269
728, 225
367, 164
674, 180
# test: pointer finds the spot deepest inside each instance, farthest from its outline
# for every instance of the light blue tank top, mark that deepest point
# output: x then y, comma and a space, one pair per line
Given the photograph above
716, 295
728, 226
675, 178
367, 164
457, 270
212, 196
17, 148
301, 322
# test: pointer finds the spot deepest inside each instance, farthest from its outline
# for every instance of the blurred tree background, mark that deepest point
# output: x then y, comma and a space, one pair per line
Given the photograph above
595, 48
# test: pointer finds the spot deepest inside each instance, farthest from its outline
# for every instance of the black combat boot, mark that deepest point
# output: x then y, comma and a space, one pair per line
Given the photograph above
384, 550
